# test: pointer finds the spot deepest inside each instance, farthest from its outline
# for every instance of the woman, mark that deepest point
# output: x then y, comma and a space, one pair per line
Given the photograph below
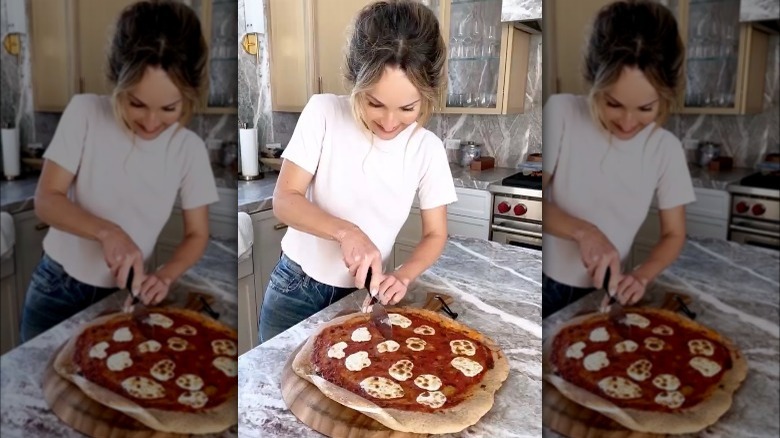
606, 155
353, 166
123, 158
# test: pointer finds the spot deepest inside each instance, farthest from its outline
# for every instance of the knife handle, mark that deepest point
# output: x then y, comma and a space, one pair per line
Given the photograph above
605, 286
129, 286
367, 285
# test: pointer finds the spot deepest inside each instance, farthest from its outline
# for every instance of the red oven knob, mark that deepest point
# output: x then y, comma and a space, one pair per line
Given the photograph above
503, 207
520, 209
758, 209
742, 207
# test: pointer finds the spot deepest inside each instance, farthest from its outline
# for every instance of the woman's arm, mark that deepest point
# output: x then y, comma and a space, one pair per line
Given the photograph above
53, 207
292, 208
668, 248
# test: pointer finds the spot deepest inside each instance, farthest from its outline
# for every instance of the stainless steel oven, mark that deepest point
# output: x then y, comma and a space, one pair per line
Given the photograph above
517, 213
755, 215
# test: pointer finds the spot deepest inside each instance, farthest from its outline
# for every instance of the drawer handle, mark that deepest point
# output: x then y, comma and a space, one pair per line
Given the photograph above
278, 227
41, 226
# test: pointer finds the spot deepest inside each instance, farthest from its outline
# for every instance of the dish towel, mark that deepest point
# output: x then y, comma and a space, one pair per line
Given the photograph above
245, 234
7, 234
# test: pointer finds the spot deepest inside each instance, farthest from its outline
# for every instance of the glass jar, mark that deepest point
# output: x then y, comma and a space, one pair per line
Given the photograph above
471, 151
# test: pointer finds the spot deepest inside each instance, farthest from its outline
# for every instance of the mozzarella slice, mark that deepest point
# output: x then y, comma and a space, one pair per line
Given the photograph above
177, 344
150, 346
640, 370
468, 367
706, 367
143, 387
336, 351
415, 344
575, 350
119, 361
428, 382
228, 366
667, 382
361, 335
627, 346
619, 387
223, 347
425, 330
357, 361
387, 346
654, 344
671, 399
399, 320
381, 387
190, 382
159, 320
122, 334
701, 347
98, 351
186, 330
596, 361
163, 370
463, 347
599, 334
637, 320
194, 399
663, 330
401, 370
433, 399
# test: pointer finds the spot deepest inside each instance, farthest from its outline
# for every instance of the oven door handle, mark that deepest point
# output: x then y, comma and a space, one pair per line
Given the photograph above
754, 231
516, 231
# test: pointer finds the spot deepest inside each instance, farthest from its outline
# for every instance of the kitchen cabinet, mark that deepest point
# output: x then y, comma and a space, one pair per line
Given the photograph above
247, 306
707, 217
71, 37
9, 320
487, 63
266, 250
28, 251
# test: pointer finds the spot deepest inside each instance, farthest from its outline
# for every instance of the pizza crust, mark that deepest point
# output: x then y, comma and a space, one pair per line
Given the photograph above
212, 420
448, 420
689, 420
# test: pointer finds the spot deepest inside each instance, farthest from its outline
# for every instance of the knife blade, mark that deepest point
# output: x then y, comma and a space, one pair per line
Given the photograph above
379, 316
616, 313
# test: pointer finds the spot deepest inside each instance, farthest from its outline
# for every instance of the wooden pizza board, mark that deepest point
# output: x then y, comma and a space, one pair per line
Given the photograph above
89, 417
576, 421
329, 417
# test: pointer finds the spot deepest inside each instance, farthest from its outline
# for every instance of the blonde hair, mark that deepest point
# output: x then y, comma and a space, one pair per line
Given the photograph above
395, 33
164, 34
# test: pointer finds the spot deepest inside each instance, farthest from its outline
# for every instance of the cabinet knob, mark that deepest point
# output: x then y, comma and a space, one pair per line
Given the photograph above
41, 226
278, 227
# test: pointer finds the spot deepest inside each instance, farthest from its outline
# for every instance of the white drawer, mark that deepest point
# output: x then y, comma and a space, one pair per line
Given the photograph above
710, 202
471, 203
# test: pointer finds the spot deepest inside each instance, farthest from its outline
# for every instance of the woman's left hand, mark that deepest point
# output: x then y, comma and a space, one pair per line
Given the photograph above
630, 290
392, 289
154, 289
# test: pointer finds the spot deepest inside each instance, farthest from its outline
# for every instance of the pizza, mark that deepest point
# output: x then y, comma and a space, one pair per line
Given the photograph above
174, 370
657, 371
434, 376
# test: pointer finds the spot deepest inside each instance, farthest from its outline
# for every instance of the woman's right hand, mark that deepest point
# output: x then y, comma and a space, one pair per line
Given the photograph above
120, 254
360, 253
598, 254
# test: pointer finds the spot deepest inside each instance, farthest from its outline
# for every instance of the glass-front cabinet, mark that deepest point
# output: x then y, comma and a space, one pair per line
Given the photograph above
220, 27
725, 60
487, 60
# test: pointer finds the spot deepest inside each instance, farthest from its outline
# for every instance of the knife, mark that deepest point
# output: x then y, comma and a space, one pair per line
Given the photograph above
379, 316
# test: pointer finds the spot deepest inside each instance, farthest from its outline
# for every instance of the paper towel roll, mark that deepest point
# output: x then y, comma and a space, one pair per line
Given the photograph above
11, 160
249, 157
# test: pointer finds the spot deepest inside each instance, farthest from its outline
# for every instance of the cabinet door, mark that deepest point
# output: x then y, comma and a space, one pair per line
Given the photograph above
411, 231
289, 54
9, 337
468, 227
96, 20
331, 27
52, 48
401, 254
219, 20
30, 232
247, 316
266, 250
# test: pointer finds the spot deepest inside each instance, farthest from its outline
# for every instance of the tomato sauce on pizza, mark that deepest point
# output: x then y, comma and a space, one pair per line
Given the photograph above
169, 359
425, 367
654, 361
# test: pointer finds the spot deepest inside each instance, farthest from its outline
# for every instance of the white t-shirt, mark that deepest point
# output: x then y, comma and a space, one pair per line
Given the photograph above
608, 185
131, 185
372, 186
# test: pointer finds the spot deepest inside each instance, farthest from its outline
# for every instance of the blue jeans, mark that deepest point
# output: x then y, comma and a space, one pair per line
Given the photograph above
556, 296
54, 296
293, 296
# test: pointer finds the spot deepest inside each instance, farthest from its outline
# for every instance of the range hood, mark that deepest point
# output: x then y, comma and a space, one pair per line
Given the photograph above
526, 15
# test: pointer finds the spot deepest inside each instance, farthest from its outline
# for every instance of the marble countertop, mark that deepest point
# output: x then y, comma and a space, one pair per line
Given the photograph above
516, 10
23, 409
734, 291
707, 179
497, 290
255, 196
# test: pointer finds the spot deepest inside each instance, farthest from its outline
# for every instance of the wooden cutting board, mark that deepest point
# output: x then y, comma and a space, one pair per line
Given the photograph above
576, 421
328, 417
